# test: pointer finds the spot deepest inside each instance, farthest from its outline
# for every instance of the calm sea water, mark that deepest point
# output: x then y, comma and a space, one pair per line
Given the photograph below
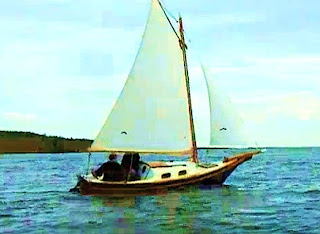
277, 191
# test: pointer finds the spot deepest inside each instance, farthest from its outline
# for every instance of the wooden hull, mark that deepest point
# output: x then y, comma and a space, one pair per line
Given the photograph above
206, 175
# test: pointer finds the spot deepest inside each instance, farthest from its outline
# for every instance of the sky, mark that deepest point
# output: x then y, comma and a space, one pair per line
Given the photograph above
63, 63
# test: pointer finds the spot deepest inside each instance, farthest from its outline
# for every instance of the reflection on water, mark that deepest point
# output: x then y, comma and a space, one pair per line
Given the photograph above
196, 208
98, 201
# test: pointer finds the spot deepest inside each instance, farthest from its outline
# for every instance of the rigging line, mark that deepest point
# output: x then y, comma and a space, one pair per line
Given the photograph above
89, 156
175, 19
186, 35
172, 16
168, 20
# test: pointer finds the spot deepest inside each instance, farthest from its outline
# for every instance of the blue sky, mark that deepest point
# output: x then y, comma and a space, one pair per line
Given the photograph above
63, 63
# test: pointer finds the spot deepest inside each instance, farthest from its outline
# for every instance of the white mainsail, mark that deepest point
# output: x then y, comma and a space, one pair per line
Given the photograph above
151, 114
226, 125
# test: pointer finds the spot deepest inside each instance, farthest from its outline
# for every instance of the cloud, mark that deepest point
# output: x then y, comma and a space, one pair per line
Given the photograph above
271, 98
303, 106
262, 65
290, 118
287, 60
299, 106
225, 19
234, 18
19, 116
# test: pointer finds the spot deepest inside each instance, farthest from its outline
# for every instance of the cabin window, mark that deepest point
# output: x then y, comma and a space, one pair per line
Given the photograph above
144, 169
166, 175
183, 172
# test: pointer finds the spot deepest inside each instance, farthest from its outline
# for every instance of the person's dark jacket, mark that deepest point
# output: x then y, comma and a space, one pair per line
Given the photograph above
112, 171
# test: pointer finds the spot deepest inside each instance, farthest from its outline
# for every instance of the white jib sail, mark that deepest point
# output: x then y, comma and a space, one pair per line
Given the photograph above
151, 113
226, 125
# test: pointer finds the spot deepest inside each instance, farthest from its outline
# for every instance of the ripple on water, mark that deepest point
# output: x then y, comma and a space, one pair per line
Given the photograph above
312, 191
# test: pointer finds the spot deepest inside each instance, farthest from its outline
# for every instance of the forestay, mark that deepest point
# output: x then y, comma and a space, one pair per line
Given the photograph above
151, 113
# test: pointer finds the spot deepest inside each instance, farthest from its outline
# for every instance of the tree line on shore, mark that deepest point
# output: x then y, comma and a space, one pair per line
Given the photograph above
29, 142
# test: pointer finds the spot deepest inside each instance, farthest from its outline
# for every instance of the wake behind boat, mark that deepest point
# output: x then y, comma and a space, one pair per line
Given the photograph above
153, 115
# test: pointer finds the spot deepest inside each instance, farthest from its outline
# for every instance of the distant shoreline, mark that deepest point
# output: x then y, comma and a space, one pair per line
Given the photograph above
18, 142
14, 142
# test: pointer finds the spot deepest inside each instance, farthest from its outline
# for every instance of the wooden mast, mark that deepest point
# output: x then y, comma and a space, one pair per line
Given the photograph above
194, 155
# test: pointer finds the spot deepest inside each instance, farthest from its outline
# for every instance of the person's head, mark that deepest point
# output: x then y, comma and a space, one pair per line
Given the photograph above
136, 156
127, 155
112, 156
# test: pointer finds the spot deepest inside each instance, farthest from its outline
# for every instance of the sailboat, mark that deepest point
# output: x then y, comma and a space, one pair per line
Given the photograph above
153, 115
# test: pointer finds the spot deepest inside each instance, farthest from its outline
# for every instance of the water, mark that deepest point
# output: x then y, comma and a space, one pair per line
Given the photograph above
277, 191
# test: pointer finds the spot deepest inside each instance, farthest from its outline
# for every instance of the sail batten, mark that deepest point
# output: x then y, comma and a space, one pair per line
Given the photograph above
151, 113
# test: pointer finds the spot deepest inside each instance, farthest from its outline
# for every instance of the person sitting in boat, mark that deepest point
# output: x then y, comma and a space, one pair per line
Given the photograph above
111, 170
130, 163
